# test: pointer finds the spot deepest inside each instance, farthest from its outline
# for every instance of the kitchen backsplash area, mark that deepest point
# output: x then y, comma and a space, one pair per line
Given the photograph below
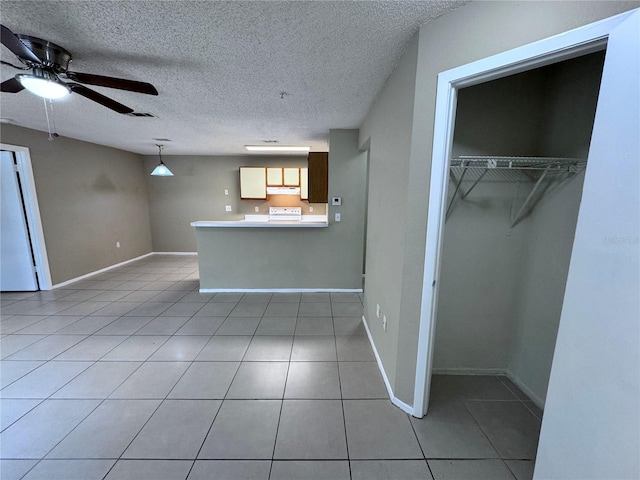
248, 207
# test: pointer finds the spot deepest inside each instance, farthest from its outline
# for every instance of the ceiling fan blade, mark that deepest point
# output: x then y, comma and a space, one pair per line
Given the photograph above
14, 44
111, 82
99, 98
11, 86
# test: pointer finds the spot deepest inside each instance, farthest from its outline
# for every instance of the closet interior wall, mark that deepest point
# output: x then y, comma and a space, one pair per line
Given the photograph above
502, 288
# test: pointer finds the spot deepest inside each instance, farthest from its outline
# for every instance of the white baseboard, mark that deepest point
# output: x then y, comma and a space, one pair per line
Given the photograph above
102, 270
396, 401
493, 371
175, 253
280, 290
469, 371
106, 269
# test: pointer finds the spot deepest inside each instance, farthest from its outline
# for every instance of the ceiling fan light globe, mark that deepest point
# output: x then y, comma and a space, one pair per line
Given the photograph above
44, 85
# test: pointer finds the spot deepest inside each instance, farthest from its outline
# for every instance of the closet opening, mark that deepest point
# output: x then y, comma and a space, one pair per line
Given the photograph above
517, 166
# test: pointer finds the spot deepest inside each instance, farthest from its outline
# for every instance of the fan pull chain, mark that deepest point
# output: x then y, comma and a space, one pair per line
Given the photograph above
52, 134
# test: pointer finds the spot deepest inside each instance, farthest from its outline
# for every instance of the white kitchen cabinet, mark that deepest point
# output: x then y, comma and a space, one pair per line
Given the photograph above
253, 183
304, 183
291, 176
274, 177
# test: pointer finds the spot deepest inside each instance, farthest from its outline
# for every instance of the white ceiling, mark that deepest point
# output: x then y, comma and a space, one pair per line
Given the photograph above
220, 68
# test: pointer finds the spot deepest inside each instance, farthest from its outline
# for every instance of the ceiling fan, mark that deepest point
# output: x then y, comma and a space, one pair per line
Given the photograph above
48, 63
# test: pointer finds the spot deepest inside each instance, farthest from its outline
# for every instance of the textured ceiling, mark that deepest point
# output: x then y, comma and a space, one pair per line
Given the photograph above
220, 68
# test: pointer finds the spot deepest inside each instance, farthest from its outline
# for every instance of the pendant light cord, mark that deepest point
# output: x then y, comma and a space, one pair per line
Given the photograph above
52, 134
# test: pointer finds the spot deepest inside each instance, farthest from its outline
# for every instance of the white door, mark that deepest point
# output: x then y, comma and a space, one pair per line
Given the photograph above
17, 272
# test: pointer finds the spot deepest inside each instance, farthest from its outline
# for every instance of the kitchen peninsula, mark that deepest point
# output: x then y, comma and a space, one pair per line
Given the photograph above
247, 249
265, 255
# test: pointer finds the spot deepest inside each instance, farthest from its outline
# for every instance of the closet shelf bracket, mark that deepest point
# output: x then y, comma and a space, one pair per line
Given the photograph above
523, 210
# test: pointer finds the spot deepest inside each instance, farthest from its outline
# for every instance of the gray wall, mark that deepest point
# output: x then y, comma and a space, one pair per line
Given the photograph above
294, 258
196, 192
399, 129
571, 89
387, 130
90, 197
540, 286
347, 179
480, 271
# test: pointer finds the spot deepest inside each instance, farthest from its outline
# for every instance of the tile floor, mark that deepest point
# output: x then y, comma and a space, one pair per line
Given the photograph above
133, 374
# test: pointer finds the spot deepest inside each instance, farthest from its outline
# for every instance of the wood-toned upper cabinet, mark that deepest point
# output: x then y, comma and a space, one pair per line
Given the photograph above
291, 176
253, 183
318, 177
274, 177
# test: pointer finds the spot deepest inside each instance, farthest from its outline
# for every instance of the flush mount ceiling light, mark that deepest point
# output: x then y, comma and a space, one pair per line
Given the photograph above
161, 170
44, 84
276, 148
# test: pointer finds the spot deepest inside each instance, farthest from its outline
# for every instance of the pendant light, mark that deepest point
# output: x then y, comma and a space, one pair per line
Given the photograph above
161, 170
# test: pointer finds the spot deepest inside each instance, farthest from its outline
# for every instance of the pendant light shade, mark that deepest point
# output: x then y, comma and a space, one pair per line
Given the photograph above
161, 170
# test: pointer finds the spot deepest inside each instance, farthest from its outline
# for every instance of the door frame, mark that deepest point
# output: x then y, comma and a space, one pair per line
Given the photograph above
567, 45
36, 232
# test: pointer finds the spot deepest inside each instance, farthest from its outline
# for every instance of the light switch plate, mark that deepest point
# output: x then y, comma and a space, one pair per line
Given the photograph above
336, 201
337, 217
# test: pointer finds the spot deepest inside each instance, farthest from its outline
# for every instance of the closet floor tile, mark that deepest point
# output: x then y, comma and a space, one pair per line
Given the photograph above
450, 431
510, 426
469, 470
470, 387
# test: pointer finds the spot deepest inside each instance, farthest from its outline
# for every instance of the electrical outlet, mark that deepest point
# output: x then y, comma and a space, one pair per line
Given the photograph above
377, 310
117, 244
227, 208
384, 323
226, 191
337, 216
310, 209
257, 209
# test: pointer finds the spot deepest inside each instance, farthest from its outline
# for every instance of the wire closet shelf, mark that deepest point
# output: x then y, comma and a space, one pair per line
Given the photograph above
562, 164
535, 168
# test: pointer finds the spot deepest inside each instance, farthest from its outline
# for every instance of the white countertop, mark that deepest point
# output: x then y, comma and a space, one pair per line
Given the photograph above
261, 224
